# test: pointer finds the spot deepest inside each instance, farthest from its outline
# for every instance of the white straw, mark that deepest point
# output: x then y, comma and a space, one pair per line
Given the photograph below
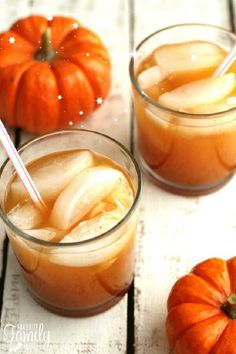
226, 63
20, 168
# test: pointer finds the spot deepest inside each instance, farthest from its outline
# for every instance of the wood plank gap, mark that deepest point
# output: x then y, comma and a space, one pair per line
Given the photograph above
4, 268
6, 240
130, 304
31, 3
17, 137
131, 39
130, 321
231, 15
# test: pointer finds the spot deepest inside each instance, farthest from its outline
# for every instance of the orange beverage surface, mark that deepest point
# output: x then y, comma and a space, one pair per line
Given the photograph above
86, 194
179, 136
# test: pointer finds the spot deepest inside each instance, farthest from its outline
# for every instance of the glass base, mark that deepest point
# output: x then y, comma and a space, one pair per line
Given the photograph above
79, 312
178, 188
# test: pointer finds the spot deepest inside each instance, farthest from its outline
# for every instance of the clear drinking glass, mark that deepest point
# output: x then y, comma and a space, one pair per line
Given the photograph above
182, 152
80, 278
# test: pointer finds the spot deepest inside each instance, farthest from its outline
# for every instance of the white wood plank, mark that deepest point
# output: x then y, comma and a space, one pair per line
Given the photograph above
175, 232
10, 11
156, 14
105, 333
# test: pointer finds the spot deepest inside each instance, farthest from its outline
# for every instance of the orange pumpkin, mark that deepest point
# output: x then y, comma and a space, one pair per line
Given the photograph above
52, 73
202, 310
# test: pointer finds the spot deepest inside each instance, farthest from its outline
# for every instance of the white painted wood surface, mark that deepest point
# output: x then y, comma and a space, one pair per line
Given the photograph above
175, 232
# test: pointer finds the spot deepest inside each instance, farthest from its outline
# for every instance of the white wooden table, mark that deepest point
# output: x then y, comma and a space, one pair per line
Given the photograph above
175, 232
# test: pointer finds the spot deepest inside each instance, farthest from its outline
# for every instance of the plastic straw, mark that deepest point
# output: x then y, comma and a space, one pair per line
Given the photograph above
226, 63
20, 168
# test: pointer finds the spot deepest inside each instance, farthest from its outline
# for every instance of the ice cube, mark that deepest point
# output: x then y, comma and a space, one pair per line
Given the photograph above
54, 174
199, 92
27, 254
82, 194
91, 228
211, 108
122, 197
151, 76
46, 234
106, 251
98, 209
25, 216
231, 101
188, 56
117, 203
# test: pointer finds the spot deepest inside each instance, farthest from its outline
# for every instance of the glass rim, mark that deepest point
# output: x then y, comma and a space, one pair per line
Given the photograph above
104, 235
184, 115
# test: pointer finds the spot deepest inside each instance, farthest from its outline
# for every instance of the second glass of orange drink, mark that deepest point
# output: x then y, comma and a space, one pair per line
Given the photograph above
78, 256
186, 117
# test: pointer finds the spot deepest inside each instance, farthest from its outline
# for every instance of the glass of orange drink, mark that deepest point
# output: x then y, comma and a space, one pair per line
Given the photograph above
185, 116
78, 256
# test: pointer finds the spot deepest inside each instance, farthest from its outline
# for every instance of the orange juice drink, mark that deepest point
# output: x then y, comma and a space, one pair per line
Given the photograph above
78, 257
186, 117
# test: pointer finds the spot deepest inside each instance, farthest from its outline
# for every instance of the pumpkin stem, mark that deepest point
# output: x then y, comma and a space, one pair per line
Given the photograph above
46, 52
230, 307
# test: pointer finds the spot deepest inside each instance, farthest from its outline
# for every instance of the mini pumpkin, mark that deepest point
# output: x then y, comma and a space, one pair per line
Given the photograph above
52, 73
202, 310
